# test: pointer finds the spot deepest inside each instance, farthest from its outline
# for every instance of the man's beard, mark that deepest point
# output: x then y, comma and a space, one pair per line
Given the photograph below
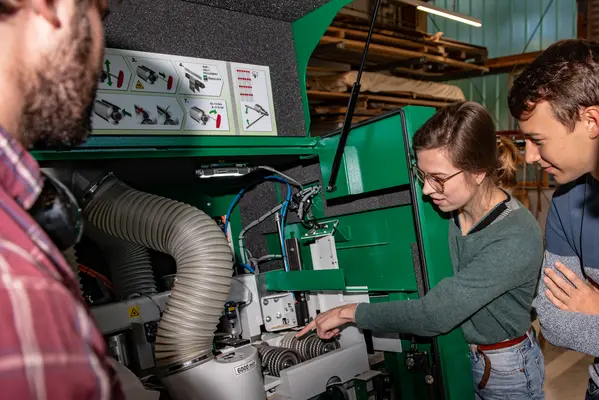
59, 96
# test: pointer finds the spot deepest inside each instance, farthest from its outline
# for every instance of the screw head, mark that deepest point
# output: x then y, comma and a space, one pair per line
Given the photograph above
429, 379
278, 315
265, 302
268, 319
276, 300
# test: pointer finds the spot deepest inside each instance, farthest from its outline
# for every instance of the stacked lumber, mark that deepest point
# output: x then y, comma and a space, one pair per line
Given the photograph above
398, 52
417, 54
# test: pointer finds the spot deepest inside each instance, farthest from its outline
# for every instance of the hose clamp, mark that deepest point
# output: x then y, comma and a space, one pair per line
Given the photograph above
93, 188
180, 367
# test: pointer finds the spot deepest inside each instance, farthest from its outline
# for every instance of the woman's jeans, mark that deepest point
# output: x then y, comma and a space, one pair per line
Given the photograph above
593, 389
517, 372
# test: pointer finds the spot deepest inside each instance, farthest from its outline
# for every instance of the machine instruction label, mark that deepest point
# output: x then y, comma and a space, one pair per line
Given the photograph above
247, 367
141, 93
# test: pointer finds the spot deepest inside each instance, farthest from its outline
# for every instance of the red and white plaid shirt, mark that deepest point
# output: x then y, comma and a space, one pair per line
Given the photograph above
50, 347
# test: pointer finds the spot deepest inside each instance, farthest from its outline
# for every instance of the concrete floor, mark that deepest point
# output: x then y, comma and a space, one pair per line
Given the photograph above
566, 373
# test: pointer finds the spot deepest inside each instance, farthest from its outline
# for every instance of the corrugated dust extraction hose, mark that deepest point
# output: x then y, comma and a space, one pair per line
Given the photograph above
129, 263
203, 256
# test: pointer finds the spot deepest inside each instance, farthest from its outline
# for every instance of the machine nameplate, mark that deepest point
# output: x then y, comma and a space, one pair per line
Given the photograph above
242, 369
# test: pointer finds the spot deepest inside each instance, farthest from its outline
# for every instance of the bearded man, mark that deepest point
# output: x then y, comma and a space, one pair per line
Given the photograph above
50, 57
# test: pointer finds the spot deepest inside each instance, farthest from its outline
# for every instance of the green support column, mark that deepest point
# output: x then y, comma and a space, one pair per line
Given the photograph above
307, 32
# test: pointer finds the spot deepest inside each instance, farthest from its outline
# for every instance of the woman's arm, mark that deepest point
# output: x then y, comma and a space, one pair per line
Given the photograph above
452, 301
503, 265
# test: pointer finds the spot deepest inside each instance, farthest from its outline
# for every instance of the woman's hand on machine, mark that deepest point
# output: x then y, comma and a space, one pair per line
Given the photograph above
327, 323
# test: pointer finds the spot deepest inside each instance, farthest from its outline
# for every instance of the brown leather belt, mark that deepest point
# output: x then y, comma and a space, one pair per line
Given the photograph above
497, 346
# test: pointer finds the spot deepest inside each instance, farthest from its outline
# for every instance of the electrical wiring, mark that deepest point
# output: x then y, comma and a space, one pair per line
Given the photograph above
240, 238
248, 268
249, 301
242, 192
288, 178
269, 257
282, 221
282, 209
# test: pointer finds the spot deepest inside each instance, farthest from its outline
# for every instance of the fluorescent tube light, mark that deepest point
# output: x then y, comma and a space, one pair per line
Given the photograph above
431, 9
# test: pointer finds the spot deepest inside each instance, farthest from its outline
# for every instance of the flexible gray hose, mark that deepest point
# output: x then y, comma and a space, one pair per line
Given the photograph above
200, 249
129, 263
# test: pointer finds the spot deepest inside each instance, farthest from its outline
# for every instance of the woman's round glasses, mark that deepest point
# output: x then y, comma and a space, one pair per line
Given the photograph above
438, 184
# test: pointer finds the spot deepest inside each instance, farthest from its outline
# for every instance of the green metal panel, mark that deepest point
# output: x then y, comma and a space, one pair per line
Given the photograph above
377, 253
327, 279
453, 349
407, 384
307, 32
373, 158
98, 147
508, 26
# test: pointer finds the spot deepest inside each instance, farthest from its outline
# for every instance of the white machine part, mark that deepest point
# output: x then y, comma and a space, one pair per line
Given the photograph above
233, 375
279, 312
310, 378
244, 290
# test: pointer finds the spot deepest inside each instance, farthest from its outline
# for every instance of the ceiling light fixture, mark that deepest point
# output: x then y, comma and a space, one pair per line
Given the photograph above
431, 9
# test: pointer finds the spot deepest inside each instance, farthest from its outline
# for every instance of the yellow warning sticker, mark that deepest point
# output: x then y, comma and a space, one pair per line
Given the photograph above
139, 85
134, 312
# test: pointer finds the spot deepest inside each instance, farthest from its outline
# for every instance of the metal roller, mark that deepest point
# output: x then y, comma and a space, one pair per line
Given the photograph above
275, 359
310, 346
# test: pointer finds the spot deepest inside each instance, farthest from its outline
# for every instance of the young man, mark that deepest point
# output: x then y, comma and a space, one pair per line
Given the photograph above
50, 58
556, 101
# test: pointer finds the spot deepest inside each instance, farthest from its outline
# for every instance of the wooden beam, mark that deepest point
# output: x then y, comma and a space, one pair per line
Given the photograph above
344, 96
358, 47
325, 110
512, 61
499, 65
377, 37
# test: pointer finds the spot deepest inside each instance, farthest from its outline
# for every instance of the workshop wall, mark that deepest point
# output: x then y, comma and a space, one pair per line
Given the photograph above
196, 30
509, 27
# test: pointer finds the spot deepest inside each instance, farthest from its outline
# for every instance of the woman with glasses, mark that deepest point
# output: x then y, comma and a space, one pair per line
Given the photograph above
496, 251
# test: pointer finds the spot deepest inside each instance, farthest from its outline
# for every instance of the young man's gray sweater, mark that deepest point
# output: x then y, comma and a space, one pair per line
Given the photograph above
572, 237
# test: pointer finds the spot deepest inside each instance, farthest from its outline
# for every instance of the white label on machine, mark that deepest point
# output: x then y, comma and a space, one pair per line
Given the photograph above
153, 75
252, 95
115, 74
200, 96
245, 368
204, 114
202, 79
125, 111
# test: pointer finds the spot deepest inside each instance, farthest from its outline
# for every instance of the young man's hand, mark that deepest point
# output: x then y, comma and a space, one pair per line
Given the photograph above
576, 295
